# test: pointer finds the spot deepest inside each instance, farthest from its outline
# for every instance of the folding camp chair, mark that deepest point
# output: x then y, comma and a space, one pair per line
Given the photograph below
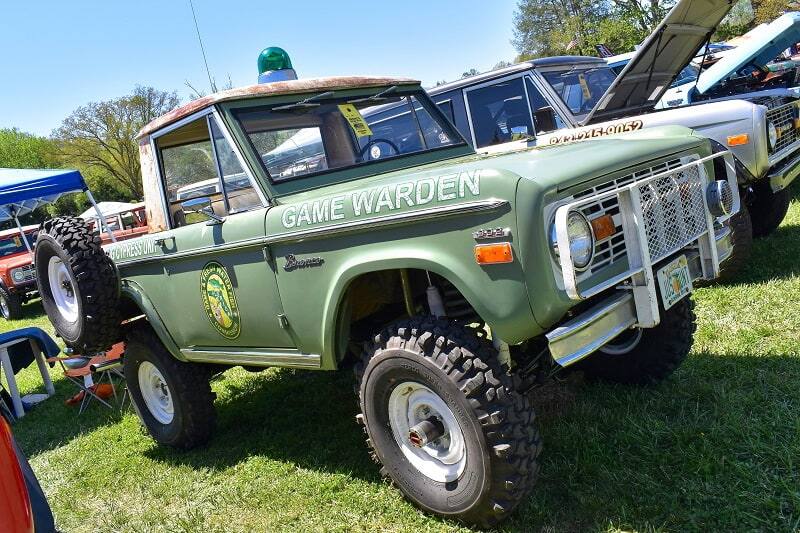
89, 373
18, 349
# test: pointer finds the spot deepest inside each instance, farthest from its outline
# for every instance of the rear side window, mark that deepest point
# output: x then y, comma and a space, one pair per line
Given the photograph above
446, 107
500, 113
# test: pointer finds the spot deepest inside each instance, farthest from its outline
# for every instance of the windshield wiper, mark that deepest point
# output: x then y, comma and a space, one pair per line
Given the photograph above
575, 69
375, 97
308, 102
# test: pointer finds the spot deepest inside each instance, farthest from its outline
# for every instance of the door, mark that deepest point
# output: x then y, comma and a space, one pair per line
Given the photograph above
220, 292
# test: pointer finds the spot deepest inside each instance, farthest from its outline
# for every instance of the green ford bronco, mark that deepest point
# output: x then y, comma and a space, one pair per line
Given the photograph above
286, 229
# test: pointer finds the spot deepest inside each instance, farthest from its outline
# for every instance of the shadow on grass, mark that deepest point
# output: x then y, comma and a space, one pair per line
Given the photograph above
307, 418
713, 446
52, 423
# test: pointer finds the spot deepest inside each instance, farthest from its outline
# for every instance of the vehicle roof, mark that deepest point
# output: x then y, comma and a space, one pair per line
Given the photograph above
14, 231
272, 89
518, 67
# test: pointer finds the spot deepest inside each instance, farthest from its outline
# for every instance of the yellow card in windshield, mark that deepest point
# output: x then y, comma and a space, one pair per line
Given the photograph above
587, 94
356, 121
17, 241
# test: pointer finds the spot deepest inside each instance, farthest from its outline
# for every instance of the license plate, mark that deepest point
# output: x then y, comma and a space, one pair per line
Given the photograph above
675, 281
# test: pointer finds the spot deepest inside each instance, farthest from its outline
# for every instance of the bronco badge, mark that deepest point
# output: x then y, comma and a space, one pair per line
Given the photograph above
219, 300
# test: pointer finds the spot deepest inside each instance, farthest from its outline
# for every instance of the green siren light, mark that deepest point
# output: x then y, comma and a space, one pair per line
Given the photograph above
274, 64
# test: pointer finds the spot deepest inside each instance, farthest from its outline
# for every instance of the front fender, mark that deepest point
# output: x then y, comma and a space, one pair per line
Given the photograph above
502, 304
133, 291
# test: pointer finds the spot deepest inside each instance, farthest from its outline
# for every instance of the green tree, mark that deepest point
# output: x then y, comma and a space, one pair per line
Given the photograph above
552, 27
100, 136
24, 150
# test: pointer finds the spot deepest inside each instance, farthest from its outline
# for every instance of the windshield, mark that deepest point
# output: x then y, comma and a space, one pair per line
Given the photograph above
15, 245
325, 133
688, 74
580, 88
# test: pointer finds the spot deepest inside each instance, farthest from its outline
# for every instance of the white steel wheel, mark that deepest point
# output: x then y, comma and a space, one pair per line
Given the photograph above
4, 308
62, 289
444, 456
624, 343
155, 393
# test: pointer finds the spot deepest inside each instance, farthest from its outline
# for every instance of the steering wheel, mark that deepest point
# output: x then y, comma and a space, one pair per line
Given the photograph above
373, 142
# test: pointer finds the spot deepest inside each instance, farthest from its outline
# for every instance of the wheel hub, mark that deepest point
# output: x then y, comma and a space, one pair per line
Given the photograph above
427, 432
155, 393
62, 289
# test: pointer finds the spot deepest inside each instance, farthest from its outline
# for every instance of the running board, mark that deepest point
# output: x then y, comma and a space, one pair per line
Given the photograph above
287, 357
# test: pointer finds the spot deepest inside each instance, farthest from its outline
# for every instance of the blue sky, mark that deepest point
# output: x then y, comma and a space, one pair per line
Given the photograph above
58, 55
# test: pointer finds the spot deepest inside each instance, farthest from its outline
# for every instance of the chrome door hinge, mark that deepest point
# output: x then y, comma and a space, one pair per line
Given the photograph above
283, 322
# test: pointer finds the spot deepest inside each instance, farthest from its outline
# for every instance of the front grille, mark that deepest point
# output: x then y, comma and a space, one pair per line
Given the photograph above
674, 212
783, 119
611, 250
29, 272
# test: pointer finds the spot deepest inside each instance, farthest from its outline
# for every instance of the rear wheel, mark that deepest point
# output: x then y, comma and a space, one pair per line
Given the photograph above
444, 421
768, 209
173, 399
10, 305
646, 356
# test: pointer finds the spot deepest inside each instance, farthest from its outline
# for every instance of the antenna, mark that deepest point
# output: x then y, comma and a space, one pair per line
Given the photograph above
202, 49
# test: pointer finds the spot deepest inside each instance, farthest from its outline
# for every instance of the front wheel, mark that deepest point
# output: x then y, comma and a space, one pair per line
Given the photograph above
173, 399
10, 305
444, 421
646, 356
742, 238
768, 209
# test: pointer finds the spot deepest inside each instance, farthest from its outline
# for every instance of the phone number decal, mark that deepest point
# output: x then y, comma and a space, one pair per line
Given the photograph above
600, 131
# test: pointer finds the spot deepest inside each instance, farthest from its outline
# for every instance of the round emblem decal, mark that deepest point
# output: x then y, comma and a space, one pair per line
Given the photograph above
375, 152
219, 300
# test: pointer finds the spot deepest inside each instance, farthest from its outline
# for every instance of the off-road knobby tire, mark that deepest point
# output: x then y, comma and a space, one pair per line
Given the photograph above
768, 209
742, 238
193, 400
658, 354
94, 281
498, 423
13, 304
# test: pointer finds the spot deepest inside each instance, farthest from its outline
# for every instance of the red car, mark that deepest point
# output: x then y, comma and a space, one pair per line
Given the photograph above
23, 506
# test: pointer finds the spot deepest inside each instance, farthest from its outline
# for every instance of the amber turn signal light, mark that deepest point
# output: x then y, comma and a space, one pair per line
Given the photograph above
603, 227
738, 140
489, 254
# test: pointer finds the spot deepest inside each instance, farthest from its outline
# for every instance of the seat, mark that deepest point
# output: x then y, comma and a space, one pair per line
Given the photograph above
18, 349
93, 375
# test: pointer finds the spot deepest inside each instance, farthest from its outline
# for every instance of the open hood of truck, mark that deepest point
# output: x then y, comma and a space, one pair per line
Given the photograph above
758, 47
660, 59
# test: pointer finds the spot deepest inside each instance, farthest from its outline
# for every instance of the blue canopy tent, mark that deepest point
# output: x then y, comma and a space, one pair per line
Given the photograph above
23, 190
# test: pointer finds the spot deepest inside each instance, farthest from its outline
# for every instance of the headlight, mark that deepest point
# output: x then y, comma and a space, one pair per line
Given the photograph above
772, 135
581, 240
17, 275
720, 198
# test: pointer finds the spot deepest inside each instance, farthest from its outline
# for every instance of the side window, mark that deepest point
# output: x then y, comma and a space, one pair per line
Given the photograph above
192, 166
446, 107
401, 130
500, 113
239, 191
544, 116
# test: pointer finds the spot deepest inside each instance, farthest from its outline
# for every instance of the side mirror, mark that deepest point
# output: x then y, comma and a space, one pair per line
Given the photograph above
545, 119
202, 207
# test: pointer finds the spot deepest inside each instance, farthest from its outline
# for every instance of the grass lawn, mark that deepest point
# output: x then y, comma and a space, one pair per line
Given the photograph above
716, 447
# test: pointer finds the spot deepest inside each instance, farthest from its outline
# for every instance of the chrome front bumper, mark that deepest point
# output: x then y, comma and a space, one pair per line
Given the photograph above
785, 174
604, 321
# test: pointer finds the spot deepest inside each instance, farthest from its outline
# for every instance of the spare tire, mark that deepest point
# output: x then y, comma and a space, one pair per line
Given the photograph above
78, 284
